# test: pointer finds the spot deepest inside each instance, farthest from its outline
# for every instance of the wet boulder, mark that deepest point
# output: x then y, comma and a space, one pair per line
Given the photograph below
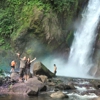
34, 82
19, 88
63, 87
40, 69
31, 87
58, 95
54, 81
95, 83
22, 88
71, 85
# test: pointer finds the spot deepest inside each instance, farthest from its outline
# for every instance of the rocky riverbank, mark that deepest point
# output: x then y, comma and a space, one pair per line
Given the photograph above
45, 82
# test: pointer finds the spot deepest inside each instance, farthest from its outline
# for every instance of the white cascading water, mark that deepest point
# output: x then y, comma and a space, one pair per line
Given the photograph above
80, 58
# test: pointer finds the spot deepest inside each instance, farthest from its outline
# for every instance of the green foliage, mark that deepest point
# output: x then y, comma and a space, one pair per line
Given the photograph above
6, 23
2, 73
69, 38
29, 51
61, 5
1, 41
6, 46
16, 15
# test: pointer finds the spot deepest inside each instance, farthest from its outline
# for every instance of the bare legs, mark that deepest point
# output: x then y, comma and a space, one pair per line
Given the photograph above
26, 77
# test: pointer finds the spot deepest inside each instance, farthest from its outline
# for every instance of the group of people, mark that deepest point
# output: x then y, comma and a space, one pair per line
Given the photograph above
25, 64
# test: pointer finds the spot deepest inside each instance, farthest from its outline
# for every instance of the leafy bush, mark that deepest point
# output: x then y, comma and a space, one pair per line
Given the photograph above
16, 15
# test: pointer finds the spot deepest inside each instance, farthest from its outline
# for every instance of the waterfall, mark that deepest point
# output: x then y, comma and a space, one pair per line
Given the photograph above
80, 57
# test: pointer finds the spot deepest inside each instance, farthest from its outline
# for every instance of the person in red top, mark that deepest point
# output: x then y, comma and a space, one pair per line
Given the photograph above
13, 64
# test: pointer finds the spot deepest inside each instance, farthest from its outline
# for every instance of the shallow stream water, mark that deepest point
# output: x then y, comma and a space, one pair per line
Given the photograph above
46, 97
79, 84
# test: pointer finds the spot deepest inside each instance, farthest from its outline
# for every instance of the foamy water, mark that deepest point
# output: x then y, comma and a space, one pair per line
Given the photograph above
80, 58
84, 97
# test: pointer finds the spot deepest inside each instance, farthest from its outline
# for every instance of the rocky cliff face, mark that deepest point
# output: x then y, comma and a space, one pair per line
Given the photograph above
95, 70
48, 32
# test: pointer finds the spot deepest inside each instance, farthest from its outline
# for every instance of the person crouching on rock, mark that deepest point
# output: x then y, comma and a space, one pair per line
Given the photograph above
13, 64
23, 62
55, 69
27, 68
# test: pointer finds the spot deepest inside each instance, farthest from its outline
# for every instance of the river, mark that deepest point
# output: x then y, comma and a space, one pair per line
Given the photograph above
46, 97
85, 90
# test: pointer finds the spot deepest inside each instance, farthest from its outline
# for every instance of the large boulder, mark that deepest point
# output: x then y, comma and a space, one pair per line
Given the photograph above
22, 88
34, 82
40, 69
64, 87
31, 87
58, 95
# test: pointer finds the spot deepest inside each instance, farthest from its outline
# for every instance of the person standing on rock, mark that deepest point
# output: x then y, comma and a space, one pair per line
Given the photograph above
55, 69
23, 62
27, 68
12, 64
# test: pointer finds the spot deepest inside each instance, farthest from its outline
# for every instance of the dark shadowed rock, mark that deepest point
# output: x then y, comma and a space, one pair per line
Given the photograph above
71, 85
44, 88
64, 87
40, 69
1, 81
95, 83
59, 95
33, 91
22, 88
54, 82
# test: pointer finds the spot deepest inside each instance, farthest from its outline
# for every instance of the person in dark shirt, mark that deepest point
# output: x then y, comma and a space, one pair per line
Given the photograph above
27, 68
